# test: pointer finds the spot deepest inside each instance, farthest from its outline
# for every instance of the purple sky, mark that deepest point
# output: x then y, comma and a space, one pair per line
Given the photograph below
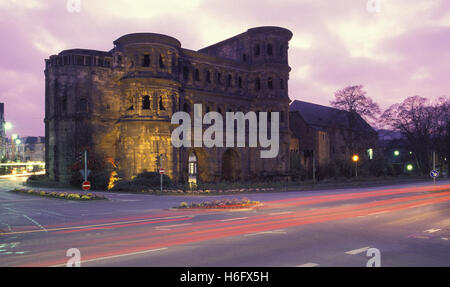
400, 51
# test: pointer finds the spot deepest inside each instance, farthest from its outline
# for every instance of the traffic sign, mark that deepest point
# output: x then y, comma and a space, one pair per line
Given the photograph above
86, 185
434, 173
82, 173
161, 170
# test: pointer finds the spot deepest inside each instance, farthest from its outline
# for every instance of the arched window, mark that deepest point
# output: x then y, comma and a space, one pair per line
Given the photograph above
192, 160
269, 50
146, 103
82, 105
185, 73
256, 50
197, 75
64, 104
219, 78
270, 83
240, 82
257, 84
161, 104
146, 61
161, 62
229, 79
186, 108
208, 76
281, 84
281, 50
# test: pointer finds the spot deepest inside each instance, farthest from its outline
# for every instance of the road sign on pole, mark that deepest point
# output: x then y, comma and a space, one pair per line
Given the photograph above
434, 173
161, 172
86, 185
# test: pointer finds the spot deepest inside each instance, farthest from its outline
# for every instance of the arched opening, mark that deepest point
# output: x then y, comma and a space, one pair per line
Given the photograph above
257, 84
146, 103
192, 169
161, 62
161, 104
197, 75
270, 83
256, 50
197, 165
229, 78
146, 61
186, 108
185, 73
231, 165
269, 50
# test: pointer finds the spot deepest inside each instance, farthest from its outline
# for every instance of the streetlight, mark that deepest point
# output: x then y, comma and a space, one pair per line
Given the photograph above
8, 126
355, 159
396, 152
409, 167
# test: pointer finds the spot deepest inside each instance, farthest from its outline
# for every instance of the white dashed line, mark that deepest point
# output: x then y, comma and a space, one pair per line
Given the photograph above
310, 264
232, 219
444, 238
116, 256
380, 212
279, 231
168, 227
280, 213
432, 230
357, 251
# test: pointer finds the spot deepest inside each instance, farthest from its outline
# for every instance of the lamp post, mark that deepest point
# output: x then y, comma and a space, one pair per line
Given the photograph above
355, 159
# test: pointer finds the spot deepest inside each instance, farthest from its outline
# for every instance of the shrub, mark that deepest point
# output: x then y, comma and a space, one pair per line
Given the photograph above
144, 181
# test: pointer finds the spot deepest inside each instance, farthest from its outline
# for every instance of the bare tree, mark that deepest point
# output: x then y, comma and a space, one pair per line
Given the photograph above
354, 100
425, 126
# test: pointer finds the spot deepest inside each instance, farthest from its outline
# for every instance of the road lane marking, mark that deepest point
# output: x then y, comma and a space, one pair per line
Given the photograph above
444, 238
380, 212
35, 222
432, 230
97, 225
115, 256
168, 227
357, 251
232, 219
310, 264
278, 231
280, 213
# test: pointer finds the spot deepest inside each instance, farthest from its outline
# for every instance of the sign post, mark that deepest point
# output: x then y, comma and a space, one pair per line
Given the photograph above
161, 172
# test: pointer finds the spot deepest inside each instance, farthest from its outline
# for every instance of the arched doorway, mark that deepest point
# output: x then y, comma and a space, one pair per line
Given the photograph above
197, 162
231, 165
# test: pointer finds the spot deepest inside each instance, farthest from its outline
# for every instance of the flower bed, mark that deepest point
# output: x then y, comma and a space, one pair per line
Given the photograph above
61, 195
220, 204
205, 191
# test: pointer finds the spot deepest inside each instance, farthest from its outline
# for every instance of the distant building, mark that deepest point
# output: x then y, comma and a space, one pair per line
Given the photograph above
323, 133
25, 149
2, 132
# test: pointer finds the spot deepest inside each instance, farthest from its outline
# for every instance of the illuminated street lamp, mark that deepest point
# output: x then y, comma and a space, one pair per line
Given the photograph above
14, 136
396, 152
8, 126
18, 141
409, 167
355, 159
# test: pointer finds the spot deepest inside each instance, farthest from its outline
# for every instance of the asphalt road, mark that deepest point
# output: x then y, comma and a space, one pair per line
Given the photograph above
409, 224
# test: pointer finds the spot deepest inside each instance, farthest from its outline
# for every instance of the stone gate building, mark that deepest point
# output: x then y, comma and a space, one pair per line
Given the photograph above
118, 104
